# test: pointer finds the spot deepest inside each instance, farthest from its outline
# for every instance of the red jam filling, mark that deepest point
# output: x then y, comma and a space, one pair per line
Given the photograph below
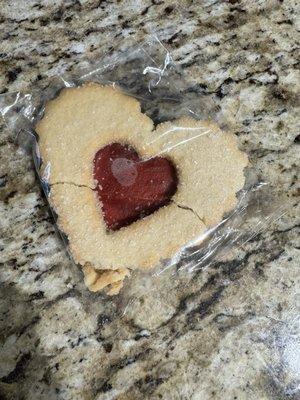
129, 188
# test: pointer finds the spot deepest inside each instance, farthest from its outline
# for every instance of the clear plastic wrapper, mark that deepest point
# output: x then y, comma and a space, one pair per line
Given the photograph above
203, 197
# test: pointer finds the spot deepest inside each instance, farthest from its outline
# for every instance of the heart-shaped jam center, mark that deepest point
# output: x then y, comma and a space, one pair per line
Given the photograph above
129, 188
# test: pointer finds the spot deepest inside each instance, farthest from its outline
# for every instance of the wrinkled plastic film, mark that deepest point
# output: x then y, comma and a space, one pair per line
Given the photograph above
148, 73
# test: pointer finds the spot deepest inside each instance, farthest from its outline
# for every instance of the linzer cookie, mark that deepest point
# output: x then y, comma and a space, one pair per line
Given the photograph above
127, 195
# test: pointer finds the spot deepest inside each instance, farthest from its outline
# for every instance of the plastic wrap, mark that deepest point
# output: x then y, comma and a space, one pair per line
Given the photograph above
196, 231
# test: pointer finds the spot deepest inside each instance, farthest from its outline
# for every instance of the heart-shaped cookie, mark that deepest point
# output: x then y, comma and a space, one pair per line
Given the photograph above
196, 164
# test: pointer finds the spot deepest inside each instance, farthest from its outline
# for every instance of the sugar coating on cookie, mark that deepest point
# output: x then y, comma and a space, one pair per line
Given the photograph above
209, 164
81, 121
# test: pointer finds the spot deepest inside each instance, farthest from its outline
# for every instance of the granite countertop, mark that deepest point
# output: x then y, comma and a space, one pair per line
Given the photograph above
229, 331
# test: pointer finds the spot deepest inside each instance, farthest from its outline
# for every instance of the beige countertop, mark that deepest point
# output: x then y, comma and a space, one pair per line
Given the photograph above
229, 331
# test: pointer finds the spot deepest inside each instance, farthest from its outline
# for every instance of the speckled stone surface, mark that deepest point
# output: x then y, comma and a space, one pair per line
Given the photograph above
229, 331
